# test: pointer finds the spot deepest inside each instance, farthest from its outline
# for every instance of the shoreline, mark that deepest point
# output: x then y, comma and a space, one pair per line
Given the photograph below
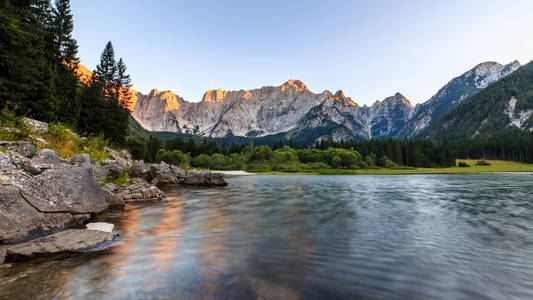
496, 166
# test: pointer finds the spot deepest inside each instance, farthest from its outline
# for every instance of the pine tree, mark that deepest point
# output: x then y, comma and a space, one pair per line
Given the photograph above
64, 50
122, 84
26, 77
106, 72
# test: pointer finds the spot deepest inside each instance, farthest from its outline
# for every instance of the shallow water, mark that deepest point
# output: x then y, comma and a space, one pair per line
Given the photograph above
309, 237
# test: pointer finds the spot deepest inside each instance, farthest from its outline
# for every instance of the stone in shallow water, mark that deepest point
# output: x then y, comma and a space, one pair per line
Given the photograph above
101, 226
65, 242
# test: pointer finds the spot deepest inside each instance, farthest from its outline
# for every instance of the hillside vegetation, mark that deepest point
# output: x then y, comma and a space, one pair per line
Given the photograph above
487, 112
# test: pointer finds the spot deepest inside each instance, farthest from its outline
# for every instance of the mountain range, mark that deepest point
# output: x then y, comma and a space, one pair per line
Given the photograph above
293, 111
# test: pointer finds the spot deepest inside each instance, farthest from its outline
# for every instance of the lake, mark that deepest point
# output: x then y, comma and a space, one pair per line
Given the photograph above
466, 236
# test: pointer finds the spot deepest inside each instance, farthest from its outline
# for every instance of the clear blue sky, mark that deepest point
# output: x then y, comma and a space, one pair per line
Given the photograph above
369, 49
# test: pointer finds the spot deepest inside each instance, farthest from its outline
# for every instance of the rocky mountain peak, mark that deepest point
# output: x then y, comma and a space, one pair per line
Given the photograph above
295, 84
488, 72
397, 99
215, 96
340, 98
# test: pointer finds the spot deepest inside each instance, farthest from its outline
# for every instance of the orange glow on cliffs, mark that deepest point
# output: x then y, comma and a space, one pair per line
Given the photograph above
85, 76
298, 85
214, 96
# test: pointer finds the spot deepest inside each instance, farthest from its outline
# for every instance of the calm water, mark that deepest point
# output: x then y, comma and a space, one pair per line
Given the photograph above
310, 237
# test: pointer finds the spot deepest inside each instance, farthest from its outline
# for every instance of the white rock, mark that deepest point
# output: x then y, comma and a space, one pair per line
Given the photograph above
101, 226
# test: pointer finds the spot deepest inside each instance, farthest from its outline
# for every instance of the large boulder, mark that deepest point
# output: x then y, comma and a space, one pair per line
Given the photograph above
68, 188
23, 148
65, 242
20, 220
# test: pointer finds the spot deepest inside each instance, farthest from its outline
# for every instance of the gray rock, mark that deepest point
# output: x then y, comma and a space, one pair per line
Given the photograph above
179, 172
23, 148
65, 242
113, 170
32, 169
162, 174
38, 140
19, 220
114, 200
100, 172
141, 192
5, 163
205, 178
65, 189
82, 160
37, 125
140, 169
123, 158
111, 187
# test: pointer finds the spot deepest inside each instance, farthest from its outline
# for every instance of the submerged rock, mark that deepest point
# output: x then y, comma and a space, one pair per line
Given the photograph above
65, 242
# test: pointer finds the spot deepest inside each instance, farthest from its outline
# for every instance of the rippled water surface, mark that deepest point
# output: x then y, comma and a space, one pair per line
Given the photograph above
309, 237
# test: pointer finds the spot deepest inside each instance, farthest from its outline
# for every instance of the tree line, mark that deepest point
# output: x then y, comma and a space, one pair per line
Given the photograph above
513, 145
324, 154
38, 59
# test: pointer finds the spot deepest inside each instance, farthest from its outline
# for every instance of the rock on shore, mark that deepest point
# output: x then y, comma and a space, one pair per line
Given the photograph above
42, 194
65, 242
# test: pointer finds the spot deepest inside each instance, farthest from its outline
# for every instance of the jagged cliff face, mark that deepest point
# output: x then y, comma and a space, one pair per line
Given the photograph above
293, 108
339, 118
258, 112
454, 92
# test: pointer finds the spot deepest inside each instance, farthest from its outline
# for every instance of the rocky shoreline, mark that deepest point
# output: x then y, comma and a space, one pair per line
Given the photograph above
43, 196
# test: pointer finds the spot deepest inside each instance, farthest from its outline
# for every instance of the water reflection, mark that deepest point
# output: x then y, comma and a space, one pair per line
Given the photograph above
301, 237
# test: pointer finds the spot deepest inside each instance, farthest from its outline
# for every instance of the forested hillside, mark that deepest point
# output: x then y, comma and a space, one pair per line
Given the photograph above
506, 104
38, 56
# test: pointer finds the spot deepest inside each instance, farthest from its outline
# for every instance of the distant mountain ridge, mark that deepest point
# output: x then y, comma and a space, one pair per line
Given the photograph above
293, 111
506, 104
453, 93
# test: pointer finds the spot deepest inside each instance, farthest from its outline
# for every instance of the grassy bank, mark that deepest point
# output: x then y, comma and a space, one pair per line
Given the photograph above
57, 137
495, 166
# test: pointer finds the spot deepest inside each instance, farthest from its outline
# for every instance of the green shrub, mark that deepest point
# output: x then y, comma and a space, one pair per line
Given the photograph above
201, 161
136, 147
13, 128
463, 164
482, 163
